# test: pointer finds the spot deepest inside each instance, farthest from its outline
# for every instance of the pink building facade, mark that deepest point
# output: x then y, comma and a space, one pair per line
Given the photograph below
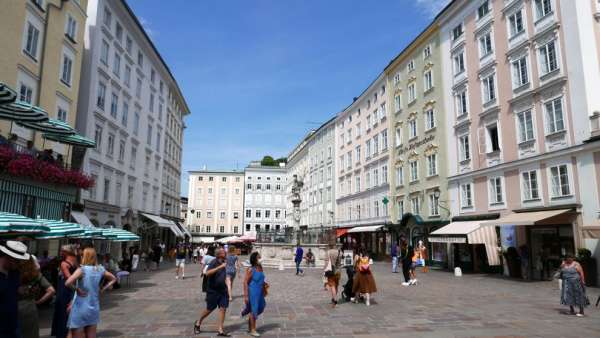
521, 76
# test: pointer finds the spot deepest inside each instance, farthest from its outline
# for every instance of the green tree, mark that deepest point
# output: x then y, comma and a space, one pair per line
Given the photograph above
268, 161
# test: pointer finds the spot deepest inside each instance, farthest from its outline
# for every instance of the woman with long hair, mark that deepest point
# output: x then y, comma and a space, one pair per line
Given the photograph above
85, 313
254, 292
34, 290
364, 282
231, 270
64, 295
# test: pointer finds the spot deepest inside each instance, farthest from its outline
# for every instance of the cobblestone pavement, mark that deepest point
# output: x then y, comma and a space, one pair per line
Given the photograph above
440, 306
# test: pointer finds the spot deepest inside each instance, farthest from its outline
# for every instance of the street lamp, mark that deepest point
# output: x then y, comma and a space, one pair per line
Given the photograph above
437, 194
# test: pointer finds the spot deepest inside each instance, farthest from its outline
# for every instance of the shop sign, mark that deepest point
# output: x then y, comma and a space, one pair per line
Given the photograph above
508, 237
447, 240
415, 145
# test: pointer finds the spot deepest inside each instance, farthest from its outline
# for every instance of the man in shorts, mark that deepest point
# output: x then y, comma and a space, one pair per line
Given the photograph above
216, 292
180, 261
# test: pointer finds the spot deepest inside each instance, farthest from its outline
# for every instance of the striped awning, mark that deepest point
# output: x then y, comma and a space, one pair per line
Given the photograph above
73, 140
471, 232
60, 229
90, 233
15, 224
124, 236
51, 126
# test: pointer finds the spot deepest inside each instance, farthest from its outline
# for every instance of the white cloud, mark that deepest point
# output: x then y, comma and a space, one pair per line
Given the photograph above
431, 7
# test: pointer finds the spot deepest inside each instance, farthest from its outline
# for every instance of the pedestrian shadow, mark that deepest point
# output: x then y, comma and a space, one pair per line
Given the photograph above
109, 333
268, 327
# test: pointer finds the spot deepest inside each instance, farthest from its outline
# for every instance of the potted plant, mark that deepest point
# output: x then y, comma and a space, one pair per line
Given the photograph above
588, 264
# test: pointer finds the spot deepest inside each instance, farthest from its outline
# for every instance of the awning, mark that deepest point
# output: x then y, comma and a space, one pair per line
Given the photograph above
165, 223
91, 233
184, 230
471, 232
51, 126
526, 218
249, 237
340, 232
230, 239
370, 228
591, 232
203, 239
60, 229
73, 140
81, 218
14, 224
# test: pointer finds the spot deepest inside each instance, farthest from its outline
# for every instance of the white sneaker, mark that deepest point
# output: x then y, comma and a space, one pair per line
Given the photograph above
353, 300
405, 284
176, 277
368, 302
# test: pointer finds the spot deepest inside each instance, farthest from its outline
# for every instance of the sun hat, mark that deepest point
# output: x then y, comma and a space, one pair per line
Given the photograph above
15, 249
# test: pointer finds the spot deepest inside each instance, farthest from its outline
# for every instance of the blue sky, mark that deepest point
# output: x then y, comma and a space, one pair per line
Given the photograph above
259, 74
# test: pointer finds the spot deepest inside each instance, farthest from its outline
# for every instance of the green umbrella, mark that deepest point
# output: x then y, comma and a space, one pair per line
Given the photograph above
51, 126
90, 233
22, 112
124, 235
74, 140
16, 224
7, 95
59, 229
108, 233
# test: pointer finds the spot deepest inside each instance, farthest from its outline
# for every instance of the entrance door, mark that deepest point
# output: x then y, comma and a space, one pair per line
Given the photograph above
549, 245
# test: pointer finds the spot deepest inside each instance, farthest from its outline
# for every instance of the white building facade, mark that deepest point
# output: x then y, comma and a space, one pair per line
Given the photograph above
132, 107
320, 182
297, 167
264, 198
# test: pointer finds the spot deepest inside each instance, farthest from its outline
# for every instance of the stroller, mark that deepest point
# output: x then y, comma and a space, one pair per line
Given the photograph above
347, 293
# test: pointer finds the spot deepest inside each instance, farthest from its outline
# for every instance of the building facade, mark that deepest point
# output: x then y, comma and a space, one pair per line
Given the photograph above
215, 204
133, 108
297, 168
363, 157
521, 74
264, 197
417, 124
321, 181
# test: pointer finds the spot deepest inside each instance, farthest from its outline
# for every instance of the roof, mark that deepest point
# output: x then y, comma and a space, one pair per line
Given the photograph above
216, 171
139, 24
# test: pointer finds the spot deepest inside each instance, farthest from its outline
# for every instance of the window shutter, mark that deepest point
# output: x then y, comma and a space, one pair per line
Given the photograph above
482, 139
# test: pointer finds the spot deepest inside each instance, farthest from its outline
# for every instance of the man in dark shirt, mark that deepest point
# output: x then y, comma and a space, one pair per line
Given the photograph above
394, 254
10, 252
216, 292
298, 259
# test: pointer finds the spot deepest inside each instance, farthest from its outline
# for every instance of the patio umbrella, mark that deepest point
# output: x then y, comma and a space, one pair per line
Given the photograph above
7, 95
227, 239
17, 224
59, 229
51, 126
90, 233
248, 237
22, 112
108, 233
124, 235
74, 140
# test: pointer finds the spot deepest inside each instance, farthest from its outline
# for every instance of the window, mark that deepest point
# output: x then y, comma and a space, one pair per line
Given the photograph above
542, 8
268, 187
496, 190
397, 79
26, 93
466, 200
136, 123
257, 214
368, 145
412, 92
152, 75
493, 139
61, 114
382, 111
128, 44
114, 104
464, 148
277, 214
520, 76
198, 214
100, 99
530, 185
133, 157
397, 103
384, 174
461, 103
208, 227
428, 80
427, 51
375, 144
98, 137
415, 205
158, 140
140, 59
65, 74
384, 140
432, 165
525, 126
398, 136
248, 213
208, 215
31, 43
414, 171
119, 32
554, 116
485, 44
111, 145
258, 187
548, 58
483, 10
106, 194
117, 65
429, 119
434, 205
267, 214
368, 124
249, 186
515, 22
121, 150
459, 63
358, 130
149, 135
248, 227
104, 52
357, 184
222, 215
489, 89
138, 88
412, 128
411, 65
107, 18
127, 76
151, 103
400, 208
457, 32
357, 153
125, 114
71, 28
399, 176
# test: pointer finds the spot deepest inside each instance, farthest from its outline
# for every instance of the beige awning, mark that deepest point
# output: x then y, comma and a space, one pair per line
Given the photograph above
592, 232
472, 232
164, 223
526, 218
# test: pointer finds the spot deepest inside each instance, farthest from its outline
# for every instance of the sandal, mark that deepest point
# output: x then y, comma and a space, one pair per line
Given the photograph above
197, 328
223, 334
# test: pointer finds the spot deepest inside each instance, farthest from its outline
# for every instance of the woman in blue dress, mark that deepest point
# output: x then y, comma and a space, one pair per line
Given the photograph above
85, 312
254, 293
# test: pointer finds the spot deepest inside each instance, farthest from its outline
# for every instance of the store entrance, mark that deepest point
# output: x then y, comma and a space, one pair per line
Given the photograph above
549, 245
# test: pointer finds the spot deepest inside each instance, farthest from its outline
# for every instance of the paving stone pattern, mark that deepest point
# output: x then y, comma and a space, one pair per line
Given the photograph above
440, 306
